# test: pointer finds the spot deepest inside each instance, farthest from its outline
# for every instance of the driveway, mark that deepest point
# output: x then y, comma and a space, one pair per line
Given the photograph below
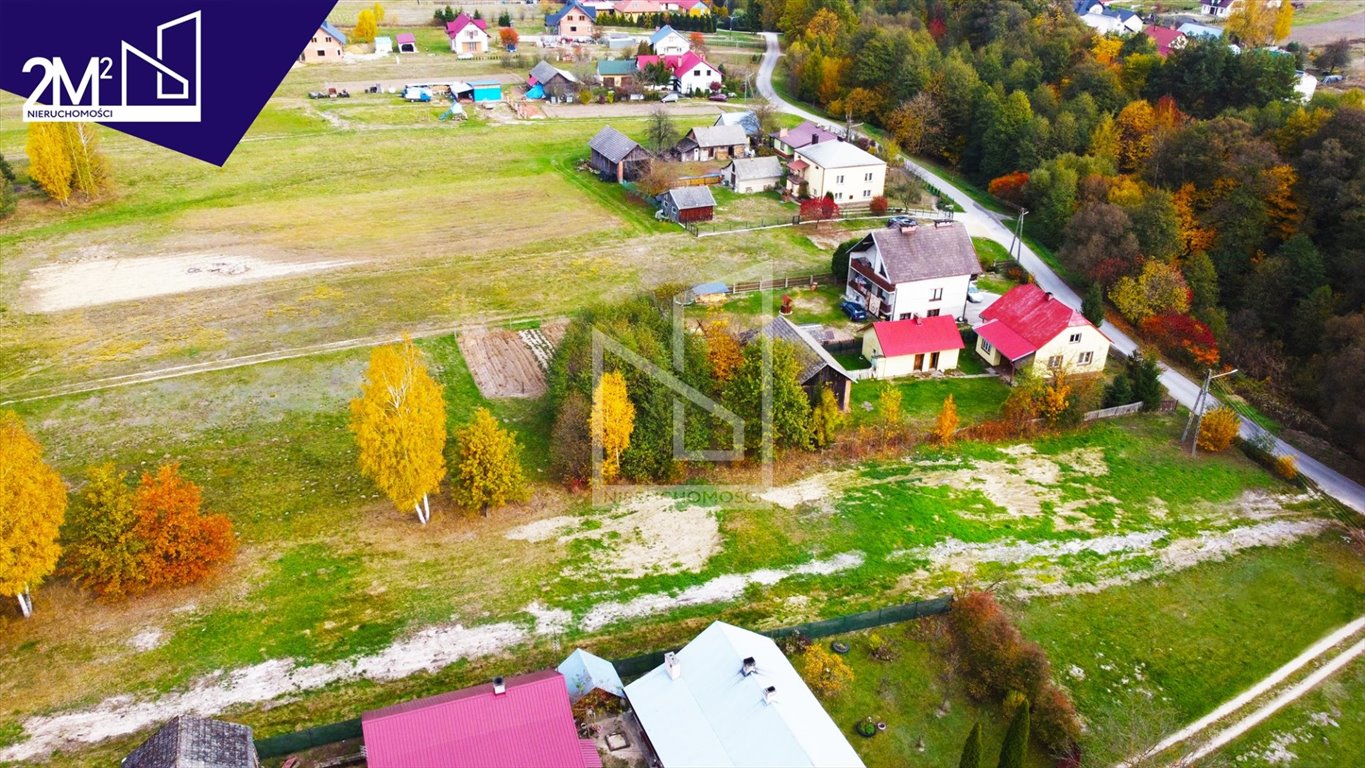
983, 223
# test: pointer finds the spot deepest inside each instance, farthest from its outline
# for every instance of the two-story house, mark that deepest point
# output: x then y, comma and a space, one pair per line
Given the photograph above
1030, 328
328, 44
786, 141
468, 35
918, 271
669, 42
838, 169
573, 21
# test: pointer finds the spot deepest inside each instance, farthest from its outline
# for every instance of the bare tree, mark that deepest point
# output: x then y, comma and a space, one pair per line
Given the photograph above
660, 131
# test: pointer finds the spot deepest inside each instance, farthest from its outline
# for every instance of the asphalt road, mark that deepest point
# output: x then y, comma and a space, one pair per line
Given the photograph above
983, 223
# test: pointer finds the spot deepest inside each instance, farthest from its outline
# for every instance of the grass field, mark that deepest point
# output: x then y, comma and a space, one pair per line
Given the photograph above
1320, 730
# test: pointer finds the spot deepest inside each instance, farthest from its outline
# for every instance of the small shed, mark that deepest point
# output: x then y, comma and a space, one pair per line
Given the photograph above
407, 42
912, 346
383, 44
584, 673
196, 742
709, 294
753, 174
686, 205
486, 90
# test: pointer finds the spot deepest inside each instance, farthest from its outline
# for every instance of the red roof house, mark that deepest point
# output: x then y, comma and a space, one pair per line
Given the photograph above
521, 721
1029, 327
467, 35
913, 345
1166, 39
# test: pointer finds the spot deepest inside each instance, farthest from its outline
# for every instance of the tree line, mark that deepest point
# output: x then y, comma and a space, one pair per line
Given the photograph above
1195, 194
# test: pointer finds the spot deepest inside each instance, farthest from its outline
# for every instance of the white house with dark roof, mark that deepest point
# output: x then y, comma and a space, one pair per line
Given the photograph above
836, 168
919, 271
731, 699
752, 174
1219, 9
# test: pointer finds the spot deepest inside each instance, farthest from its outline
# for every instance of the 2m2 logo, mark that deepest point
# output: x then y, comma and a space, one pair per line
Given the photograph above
176, 98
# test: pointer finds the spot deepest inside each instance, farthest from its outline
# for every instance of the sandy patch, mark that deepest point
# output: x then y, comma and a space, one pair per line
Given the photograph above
719, 589
1087, 461
97, 277
543, 530
815, 488
146, 640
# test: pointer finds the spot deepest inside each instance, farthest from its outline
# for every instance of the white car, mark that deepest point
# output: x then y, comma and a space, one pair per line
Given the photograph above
669, 98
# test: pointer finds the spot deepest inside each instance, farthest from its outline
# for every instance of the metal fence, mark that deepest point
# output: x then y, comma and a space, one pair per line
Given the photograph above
1116, 411
707, 228
322, 735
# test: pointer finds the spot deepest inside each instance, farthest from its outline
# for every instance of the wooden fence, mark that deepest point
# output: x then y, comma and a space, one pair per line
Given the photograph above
707, 228
1115, 412
705, 180
795, 281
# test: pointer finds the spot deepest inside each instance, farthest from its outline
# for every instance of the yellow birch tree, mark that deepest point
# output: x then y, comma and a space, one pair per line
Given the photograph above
378, 13
399, 422
32, 507
49, 162
610, 423
488, 467
946, 424
365, 27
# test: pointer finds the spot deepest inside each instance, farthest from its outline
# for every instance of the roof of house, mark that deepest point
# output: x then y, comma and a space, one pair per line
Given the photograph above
810, 355
837, 154
688, 61
1190, 29
719, 135
927, 252
612, 144
337, 34
196, 742
1163, 37
806, 133
745, 118
1218, 3
685, 198
530, 724
615, 67
554, 18
543, 72
406, 37
688, 5
715, 715
1025, 319
463, 20
747, 168
663, 32
640, 6
1122, 14
917, 335
583, 673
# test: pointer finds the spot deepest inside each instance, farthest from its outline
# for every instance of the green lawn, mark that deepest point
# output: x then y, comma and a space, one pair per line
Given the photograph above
989, 252
1323, 729
976, 399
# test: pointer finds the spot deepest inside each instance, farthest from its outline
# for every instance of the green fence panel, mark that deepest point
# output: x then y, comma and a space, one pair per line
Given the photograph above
298, 741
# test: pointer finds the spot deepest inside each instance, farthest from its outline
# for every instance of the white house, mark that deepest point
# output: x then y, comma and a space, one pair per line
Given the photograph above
913, 345
327, 44
731, 698
693, 73
669, 42
752, 174
1117, 21
920, 271
468, 35
1030, 328
839, 169
1219, 9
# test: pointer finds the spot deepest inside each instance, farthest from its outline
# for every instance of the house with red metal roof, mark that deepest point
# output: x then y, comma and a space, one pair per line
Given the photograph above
467, 35
1029, 328
524, 721
407, 42
1166, 39
916, 345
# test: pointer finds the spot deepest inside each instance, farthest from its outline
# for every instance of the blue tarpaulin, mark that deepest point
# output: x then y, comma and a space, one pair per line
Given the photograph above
535, 92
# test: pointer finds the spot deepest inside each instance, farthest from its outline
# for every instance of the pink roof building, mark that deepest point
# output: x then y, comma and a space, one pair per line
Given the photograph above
1030, 327
463, 20
1166, 39
522, 721
913, 336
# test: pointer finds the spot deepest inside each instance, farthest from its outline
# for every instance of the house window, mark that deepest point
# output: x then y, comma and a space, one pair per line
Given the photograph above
986, 346
937, 295
1075, 338
1085, 358
315, 39
573, 29
322, 52
932, 313
838, 179
327, 39
1055, 361
867, 193
867, 177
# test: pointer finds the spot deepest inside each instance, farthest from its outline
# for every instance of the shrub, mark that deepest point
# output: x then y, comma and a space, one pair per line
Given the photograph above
878, 205
1286, 467
819, 209
879, 649
1182, 337
1009, 187
825, 673
1218, 429
180, 544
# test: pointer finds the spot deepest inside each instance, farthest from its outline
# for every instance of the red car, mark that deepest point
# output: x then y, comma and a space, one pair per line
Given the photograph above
718, 97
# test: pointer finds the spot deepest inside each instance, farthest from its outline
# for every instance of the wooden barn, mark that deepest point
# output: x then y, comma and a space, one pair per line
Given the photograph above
819, 369
686, 205
616, 156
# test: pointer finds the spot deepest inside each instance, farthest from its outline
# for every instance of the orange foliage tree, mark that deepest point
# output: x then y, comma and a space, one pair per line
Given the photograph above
1009, 187
182, 545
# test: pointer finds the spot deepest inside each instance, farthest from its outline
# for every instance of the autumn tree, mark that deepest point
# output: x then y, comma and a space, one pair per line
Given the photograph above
723, 350
378, 10
508, 37
1217, 429
103, 552
827, 674
1136, 124
611, 422
399, 422
826, 420
32, 507
945, 426
365, 26
571, 442
1334, 56
1252, 25
660, 131
180, 545
49, 162
916, 124
1056, 396
1159, 289
697, 41
660, 178
487, 465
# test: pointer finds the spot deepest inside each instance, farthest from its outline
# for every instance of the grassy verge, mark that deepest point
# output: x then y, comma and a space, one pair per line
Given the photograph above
1321, 730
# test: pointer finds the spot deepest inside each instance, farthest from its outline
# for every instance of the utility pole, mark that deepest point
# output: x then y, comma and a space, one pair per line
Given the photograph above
1018, 234
1197, 413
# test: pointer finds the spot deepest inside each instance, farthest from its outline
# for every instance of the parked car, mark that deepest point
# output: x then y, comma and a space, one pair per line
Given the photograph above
718, 97
669, 98
854, 310
973, 293
900, 221
1333, 79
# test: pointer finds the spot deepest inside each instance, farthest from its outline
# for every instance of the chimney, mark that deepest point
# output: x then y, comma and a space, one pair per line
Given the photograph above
918, 321
1048, 296
750, 666
499, 686
770, 695
782, 133
673, 666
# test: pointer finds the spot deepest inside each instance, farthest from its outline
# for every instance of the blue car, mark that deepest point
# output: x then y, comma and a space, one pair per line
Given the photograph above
854, 311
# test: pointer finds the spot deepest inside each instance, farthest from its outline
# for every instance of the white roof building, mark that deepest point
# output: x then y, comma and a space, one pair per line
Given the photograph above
731, 699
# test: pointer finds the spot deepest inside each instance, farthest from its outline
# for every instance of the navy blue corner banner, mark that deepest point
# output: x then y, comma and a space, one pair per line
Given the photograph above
190, 75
